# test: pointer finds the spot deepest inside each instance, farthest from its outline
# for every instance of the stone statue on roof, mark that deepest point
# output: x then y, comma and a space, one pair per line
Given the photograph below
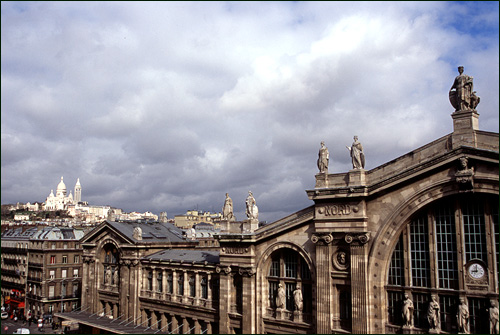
462, 95
227, 209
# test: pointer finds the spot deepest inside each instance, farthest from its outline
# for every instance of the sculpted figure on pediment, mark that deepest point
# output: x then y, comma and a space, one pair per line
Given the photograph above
323, 158
227, 209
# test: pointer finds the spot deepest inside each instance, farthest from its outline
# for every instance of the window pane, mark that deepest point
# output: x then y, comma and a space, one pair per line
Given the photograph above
494, 217
394, 307
289, 288
274, 271
273, 291
446, 245
474, 235
420, 302
396, 273
479, 322
448, 305
419, 252
290, 265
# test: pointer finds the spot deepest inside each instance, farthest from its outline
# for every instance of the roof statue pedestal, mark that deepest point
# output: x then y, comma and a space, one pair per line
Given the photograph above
250, 225
465, 118
357, 177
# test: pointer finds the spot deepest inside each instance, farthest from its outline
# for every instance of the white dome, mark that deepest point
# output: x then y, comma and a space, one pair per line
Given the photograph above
61, 188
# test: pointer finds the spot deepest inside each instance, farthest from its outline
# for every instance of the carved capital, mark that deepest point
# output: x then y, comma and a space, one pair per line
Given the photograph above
321, 238
88, 259
249, 272
361, 238
465, 175
226, 270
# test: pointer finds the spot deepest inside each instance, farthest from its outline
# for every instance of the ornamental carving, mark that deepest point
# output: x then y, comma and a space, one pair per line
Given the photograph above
338, 210
234, 250
362, 238
246, 271
88, 259
226, 270
465, 175
322, 238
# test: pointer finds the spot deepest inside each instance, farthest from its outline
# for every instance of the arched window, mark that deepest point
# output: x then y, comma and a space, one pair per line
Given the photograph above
180, 284
436, 254
288, 268
204, 287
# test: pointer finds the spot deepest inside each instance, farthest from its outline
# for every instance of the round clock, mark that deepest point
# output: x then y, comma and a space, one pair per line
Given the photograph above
476, 271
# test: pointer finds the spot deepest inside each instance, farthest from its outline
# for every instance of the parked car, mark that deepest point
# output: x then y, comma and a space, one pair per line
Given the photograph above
22, 331
5, 315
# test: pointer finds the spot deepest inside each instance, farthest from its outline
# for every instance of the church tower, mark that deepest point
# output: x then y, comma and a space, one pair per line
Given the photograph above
78, 191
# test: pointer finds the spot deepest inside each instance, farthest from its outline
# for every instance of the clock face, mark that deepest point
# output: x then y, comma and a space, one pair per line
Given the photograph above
476, 271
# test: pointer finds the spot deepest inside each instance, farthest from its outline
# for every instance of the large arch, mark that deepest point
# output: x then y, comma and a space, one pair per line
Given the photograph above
263, 268
386, 239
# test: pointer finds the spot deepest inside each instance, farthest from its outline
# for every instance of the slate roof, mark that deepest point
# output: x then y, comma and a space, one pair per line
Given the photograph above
185, 255
151, 232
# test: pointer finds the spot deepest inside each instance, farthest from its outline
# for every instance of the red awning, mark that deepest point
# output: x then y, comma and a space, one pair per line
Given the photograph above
21, 305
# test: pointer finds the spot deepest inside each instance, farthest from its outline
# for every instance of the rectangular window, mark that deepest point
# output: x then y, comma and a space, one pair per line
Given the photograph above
273, 291
394, 307
75, 273
396, 273
419, 252
75, 289
478, 319
192, 286
170, 283
159, 281
65, 246
274, 271
290, 266
65, 259
51, 308
474, 234
204, 288
180, 284
420, 303
63, 289
76, 259
448, 305
52, 259
51, 291
289, 288
64, 273
52, 274
446, 244
150, 280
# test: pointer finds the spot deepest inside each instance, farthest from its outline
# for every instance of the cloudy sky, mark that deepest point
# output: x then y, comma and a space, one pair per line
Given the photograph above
166, 106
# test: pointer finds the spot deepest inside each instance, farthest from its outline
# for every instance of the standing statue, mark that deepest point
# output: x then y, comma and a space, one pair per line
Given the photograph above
297, 298
463, 317
408, 311
462, 96
115, 277
493, 310
281, 298
433, 314
323, 157
107, 276
252, 211
357, 155
227, 209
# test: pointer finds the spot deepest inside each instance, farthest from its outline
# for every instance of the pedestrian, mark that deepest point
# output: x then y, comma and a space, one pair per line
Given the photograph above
40, 325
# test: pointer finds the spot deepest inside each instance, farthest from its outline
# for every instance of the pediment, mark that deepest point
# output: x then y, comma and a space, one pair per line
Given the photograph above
106, 231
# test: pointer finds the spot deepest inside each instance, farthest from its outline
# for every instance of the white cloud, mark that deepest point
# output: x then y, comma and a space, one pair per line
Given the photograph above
168, 105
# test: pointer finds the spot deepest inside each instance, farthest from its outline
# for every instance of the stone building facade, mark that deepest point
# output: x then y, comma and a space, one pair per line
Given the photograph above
418, 231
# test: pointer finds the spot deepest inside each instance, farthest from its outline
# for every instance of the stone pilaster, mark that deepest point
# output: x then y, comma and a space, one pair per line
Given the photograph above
249, 308
224, 299
359, 282
323, 285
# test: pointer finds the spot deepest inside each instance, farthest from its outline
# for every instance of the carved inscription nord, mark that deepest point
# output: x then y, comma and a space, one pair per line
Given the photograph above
233, 250
333, 210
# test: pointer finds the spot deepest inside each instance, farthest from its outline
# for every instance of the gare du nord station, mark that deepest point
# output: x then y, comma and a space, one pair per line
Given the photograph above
410, 246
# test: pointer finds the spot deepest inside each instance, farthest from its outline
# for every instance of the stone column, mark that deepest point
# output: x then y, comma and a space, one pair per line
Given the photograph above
323, 282
248, 303
197, 289
209, 288
153, 281
359, 282
164, 322
174, 324
197, 328
153, 320
224, 298
164, 283
186, 288
123, 287
85, 282
185, 325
